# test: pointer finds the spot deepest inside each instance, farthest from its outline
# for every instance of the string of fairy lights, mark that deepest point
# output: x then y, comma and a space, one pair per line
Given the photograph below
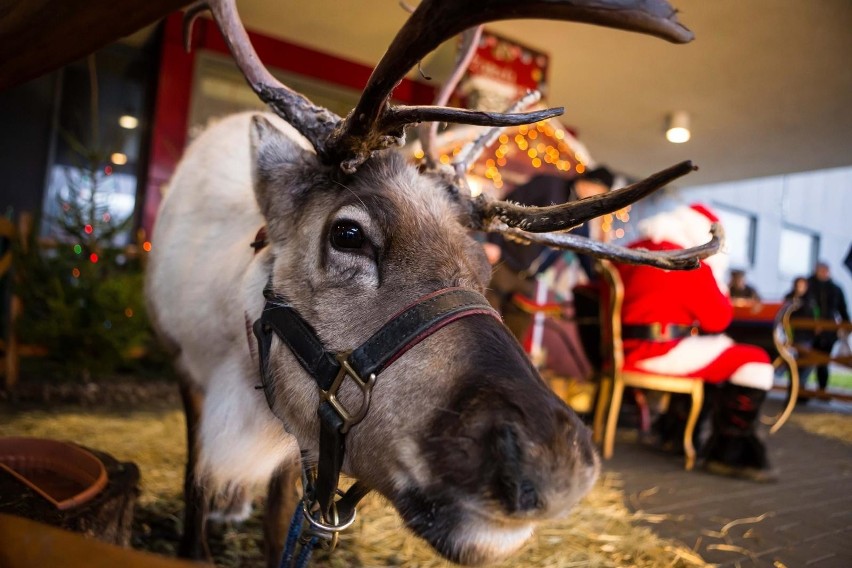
545, 146
88, 251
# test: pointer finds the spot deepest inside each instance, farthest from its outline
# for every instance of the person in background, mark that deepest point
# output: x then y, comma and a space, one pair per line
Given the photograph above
739, 289
589, 184
805, 308
798, 291
516, 265
545, 190
830, 305
673, 324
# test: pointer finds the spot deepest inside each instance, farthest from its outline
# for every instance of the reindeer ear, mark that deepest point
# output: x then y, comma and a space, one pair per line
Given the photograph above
274, 157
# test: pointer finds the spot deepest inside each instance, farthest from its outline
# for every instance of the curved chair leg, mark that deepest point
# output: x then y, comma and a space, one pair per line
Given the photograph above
612, 418
604, 393
792, 392
694, 412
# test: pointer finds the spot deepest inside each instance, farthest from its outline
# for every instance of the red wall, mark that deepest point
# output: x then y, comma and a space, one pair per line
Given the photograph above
171, 112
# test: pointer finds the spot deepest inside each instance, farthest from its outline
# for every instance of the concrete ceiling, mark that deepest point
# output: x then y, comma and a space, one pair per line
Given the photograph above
768, 83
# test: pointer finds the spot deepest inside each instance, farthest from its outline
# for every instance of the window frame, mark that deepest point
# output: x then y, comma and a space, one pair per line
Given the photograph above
751, 245
815, 239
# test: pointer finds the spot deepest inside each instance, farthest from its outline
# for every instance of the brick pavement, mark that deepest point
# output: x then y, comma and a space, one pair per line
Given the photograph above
803, 520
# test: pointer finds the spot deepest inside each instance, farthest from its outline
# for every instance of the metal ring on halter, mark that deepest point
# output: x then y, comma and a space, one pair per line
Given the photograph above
319, 525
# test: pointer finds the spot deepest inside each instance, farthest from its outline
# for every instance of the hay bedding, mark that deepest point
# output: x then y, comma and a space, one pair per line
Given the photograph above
831, 425
153, 439
601, 532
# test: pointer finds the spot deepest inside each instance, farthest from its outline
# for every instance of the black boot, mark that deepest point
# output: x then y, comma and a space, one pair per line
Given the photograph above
667, 429
734, 448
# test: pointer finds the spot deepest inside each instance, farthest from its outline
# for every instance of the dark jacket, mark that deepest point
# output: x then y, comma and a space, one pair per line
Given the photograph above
807, 310
540, 191
828, 298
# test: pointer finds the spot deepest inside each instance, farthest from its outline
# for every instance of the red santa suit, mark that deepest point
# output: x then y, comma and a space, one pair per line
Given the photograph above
697, 298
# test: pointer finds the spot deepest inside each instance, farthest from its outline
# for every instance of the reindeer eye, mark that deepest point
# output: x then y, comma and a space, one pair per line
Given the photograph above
347, 235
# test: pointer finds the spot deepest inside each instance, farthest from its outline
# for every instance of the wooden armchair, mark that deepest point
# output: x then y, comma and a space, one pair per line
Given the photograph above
615, 378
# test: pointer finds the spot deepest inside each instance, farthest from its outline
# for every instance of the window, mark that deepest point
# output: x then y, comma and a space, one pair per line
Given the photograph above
220, 89
98, 157
798, 252
740, 230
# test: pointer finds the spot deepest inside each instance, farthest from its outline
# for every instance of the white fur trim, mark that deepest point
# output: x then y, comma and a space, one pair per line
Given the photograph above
665, 226
686, 227
688, 356
696, 226
682, 226
754, 375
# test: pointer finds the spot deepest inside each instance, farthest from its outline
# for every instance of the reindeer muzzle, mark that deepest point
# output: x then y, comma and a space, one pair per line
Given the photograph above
402, 332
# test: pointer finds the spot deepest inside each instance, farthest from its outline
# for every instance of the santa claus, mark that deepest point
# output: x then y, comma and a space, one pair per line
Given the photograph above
673, 323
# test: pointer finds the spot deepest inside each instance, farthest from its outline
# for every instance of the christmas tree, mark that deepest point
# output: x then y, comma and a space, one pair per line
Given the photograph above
82, 295
82, 287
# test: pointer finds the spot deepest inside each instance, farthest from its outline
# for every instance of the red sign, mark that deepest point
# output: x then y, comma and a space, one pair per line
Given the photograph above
509, 62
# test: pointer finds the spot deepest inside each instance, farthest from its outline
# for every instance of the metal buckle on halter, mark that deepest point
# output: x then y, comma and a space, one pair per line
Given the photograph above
366, 387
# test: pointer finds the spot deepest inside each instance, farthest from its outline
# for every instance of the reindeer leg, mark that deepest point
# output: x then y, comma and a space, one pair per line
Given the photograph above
281, 501
193, 542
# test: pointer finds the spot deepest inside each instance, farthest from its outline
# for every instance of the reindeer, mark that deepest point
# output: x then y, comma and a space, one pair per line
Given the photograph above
358, 337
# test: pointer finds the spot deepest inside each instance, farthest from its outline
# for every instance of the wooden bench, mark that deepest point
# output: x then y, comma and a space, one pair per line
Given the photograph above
806, 356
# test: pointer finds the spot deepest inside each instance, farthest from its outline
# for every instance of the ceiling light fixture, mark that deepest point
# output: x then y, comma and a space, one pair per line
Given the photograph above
128, 121
677, 129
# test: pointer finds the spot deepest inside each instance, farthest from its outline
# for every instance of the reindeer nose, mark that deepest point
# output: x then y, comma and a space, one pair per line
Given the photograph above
514, 489
518, 461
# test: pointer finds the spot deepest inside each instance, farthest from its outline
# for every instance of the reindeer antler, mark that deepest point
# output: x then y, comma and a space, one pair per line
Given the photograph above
544, 225
374, 124
311, 121
473, 150
682, 259
429, 131
568, 215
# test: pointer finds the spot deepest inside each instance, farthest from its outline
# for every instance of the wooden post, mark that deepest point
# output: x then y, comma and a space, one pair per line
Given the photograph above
11, 363
13, 357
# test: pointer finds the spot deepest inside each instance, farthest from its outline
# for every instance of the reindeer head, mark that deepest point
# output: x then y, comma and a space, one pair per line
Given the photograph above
462, 434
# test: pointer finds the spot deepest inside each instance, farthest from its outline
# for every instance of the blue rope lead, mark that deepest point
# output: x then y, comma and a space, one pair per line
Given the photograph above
293, 534
305, 554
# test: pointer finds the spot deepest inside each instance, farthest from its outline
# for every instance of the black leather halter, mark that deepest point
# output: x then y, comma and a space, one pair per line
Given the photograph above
402, 332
